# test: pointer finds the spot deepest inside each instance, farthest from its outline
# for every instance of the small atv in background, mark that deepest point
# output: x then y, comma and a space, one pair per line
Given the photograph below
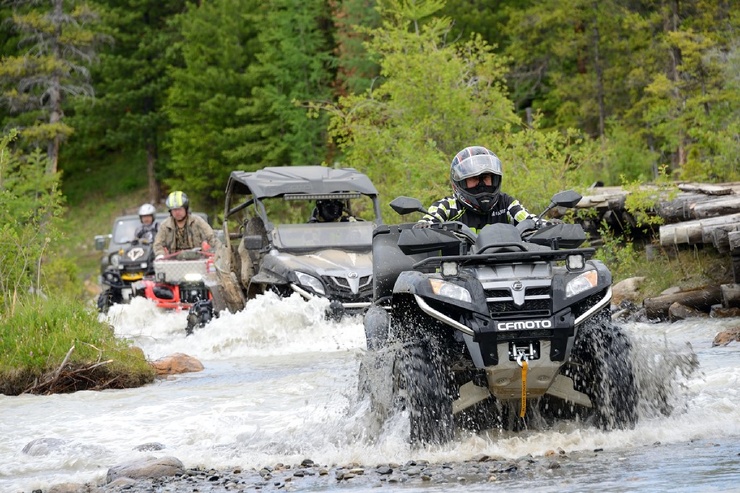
127, 268
182, 281
478, 331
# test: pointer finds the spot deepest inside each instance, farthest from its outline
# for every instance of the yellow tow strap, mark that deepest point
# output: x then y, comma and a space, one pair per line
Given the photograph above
524, 388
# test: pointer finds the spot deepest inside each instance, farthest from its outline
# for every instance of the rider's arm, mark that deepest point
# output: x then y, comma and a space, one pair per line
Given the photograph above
516, 211
439, 211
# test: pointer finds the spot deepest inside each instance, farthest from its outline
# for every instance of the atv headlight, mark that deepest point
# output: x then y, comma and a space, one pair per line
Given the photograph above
450, 290
310, 282
583, 282
115, 260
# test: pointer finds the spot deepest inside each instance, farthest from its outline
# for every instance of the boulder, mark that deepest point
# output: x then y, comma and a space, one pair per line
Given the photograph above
677, 311
627, 290
719, 311
177, 363
43, 446
726, 337
148, 468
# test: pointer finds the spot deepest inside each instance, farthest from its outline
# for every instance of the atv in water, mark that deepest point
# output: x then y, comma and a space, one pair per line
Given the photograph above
124, 267
490, 330
182, 281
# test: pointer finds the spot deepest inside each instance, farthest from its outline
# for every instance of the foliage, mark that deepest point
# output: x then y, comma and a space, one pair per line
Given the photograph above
539, 163
58, 46
30, 205
217, 48
355, 69
36, 338
131, 82
295, 64
620, 256
435, 98
659, 74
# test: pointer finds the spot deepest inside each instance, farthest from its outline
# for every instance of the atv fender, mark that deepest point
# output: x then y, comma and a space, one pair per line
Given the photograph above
408, 281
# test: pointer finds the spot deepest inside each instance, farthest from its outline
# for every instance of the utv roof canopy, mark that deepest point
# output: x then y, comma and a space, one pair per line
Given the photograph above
298, 181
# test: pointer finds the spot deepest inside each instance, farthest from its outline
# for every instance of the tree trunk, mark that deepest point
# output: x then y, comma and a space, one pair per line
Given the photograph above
151, 161
55, 94
599, 73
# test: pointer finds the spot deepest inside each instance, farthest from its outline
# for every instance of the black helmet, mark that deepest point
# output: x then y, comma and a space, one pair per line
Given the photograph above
476, 161
176, 200
330, 210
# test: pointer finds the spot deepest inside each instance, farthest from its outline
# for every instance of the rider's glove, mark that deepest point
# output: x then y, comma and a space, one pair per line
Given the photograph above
159, 257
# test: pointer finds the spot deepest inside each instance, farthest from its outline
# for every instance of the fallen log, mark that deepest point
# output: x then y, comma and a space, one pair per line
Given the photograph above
697, 231
699, 299
707, 188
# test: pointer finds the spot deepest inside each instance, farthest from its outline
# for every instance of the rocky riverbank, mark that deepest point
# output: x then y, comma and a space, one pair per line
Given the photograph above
168, 475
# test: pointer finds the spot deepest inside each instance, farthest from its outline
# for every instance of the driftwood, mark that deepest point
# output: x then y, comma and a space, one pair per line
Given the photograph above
699, 299
71, 379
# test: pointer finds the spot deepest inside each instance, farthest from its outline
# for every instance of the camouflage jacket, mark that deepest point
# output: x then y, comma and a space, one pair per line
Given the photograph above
196, 231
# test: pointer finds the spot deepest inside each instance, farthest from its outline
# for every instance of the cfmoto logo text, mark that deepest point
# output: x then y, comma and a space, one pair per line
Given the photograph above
524, 325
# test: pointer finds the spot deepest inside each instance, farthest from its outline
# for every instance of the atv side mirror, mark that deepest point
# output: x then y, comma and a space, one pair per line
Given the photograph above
407, 205
568, 198
100, 241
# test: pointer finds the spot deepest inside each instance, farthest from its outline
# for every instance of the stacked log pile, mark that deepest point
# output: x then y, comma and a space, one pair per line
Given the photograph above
707, 214
698, 214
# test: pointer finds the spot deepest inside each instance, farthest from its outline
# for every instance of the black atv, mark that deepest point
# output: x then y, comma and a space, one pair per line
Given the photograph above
478, 331
124, 267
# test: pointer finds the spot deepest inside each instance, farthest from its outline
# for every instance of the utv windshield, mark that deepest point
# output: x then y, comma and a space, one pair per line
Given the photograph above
343, 236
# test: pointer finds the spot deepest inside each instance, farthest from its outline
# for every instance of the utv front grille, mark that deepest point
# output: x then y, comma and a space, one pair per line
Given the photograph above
340, 290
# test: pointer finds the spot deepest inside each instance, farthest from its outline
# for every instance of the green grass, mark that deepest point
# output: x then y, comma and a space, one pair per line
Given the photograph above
35, 338
688, 267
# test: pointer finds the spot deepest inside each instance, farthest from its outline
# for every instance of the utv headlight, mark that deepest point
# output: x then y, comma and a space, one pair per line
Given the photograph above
115, 260
193, 277
583, 282
310, 282
450, 290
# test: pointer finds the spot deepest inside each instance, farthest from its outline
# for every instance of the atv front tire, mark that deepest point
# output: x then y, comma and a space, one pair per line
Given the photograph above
421, 380
600, 367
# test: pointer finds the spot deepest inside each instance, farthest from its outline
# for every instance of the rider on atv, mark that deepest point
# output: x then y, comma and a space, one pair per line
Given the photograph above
182, 230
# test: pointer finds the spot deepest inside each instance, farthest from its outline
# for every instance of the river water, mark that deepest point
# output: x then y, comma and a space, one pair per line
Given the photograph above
280, 385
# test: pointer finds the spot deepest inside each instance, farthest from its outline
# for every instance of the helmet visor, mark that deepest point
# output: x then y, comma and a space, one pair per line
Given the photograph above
476, 165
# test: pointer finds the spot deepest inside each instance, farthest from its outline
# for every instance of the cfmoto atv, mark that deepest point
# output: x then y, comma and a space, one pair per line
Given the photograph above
476, 331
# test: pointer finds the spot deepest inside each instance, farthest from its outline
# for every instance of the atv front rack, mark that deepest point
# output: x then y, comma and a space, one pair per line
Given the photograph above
505, 257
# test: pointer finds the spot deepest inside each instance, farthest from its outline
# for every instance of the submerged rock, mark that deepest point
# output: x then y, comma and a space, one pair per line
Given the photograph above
177, 363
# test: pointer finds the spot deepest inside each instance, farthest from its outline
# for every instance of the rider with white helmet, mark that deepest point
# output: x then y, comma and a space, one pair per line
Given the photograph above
148, 228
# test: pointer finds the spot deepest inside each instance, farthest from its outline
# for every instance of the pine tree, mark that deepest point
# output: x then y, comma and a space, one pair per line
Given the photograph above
57, 46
